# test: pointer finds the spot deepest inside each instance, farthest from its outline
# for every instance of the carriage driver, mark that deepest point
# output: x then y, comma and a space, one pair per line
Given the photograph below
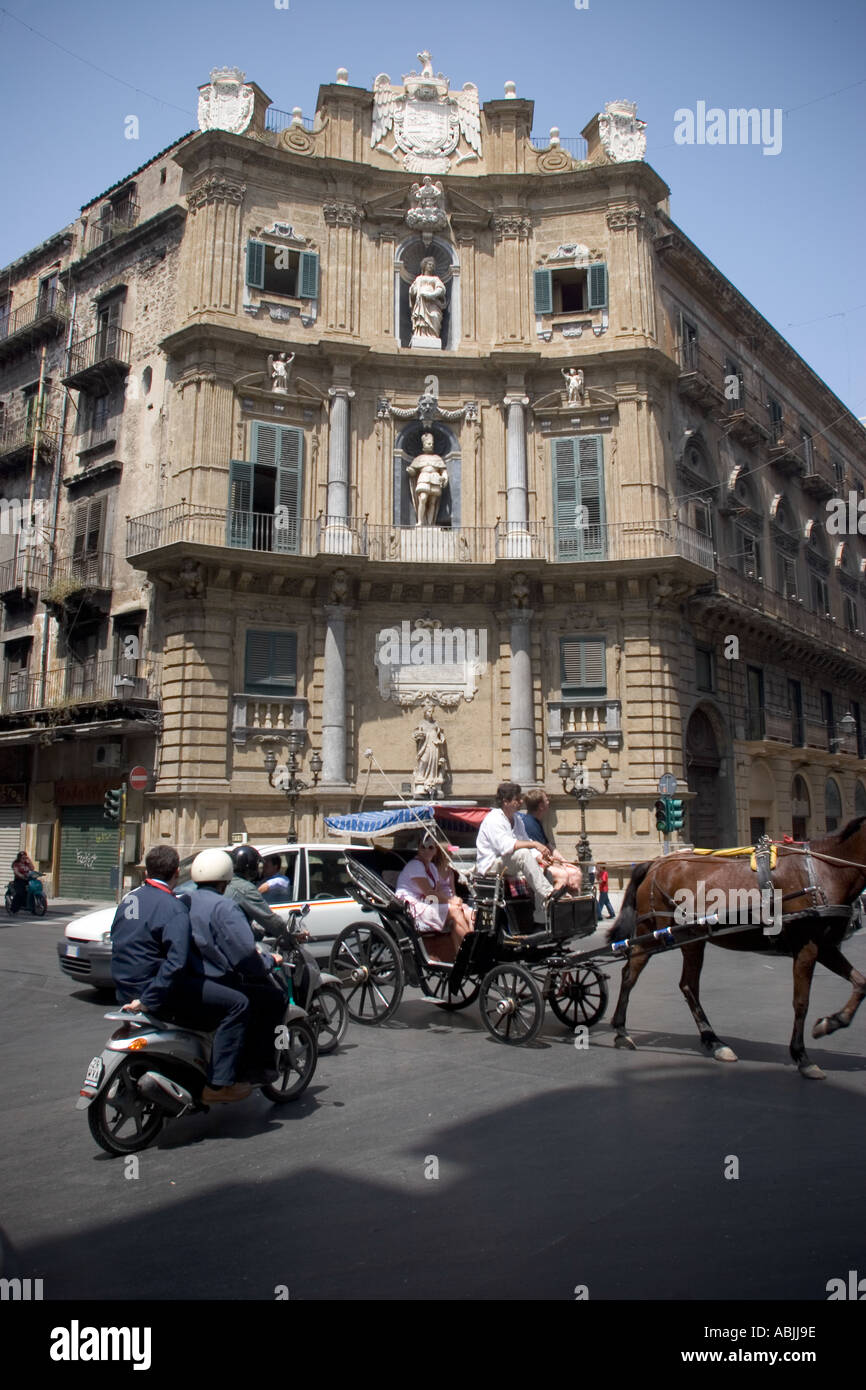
498, 848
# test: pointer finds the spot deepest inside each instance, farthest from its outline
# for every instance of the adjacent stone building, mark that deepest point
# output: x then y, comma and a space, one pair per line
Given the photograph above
402, 430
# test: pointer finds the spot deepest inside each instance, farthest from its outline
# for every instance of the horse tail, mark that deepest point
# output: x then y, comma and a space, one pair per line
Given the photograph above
626, 921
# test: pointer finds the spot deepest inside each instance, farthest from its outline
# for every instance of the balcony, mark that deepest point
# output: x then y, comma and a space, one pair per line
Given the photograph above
25, 575
701, 377
75, 575
254, 716
571, 721
743, 422
110, 224
91, 682
19, 435
37, 319
818, 478
100, 360
783, 447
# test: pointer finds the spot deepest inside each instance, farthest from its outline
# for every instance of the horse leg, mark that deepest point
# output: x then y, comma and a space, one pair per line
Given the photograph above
693, 959
804, 968
630, 972
832, 958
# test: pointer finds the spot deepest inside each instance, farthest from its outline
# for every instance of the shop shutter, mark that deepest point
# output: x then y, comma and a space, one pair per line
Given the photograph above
11, 827
88, 853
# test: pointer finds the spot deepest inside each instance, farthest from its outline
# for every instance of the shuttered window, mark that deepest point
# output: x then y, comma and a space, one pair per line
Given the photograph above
598, 285
308, 275
271, 661
89, 517
266, 493
543, 292
570, 289
578, 498
582, 666
256, 264
282, 270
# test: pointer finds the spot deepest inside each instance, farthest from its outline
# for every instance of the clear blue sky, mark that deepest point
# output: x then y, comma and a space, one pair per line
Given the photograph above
788, 230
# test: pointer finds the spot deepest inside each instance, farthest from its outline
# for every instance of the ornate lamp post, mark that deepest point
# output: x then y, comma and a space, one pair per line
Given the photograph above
574, 782
847, 726
284, 776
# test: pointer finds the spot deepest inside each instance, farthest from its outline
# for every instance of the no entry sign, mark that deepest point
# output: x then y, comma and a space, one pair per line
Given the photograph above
138, 778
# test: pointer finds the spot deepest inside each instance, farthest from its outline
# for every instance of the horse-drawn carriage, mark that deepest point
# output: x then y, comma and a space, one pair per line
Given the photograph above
511, 972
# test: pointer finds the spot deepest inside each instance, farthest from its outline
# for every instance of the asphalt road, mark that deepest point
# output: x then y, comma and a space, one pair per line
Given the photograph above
557, 1167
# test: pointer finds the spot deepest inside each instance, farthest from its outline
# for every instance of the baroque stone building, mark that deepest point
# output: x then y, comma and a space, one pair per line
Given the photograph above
402, 430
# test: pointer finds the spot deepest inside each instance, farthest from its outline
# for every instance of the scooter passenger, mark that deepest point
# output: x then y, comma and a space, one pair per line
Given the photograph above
232, 962
157, 970
242, 889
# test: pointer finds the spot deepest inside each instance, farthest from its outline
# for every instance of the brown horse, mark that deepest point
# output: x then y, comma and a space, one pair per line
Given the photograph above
811, 878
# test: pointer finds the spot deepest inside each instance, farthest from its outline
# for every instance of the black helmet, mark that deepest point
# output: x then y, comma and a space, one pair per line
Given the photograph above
247, 862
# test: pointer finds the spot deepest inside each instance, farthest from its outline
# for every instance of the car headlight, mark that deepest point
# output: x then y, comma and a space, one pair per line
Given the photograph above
106, 937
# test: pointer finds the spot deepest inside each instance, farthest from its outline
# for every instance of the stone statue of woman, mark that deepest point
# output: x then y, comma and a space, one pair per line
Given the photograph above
429, 776
427, 301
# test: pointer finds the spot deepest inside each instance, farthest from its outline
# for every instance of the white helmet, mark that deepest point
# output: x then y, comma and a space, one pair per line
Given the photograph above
212, 866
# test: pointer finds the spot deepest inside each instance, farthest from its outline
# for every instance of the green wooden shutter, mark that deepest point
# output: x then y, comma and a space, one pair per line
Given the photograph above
270, 666
239, 523
308, 275
598, 285
282, 447
591, 485
582, 666
256, 264
566, 499
80, 538
543, 292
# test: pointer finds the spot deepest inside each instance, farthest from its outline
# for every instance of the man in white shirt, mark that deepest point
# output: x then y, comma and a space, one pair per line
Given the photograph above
498, 847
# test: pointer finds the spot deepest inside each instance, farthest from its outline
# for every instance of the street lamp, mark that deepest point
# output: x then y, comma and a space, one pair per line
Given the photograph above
284, 776
847, 726
574, 783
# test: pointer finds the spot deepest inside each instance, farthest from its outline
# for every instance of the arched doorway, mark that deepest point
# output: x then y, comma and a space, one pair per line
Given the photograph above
702, 771
801, 809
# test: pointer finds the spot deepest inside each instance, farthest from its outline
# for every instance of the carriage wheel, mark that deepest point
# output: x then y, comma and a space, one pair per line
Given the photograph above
442, 993
579, 996
367, 963
511, 1005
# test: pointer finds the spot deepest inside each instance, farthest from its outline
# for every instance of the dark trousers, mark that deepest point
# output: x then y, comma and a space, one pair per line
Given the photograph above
267, 1008
212, 1006
19, 892
604, 901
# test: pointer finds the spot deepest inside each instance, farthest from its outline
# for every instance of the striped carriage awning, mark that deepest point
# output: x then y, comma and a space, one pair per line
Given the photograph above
375, 823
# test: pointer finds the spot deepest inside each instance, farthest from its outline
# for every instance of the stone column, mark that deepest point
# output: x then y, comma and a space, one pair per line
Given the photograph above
342, 280
334, 696
338, 453
522, 725
517, 541
212, 245
632, 289
512, 231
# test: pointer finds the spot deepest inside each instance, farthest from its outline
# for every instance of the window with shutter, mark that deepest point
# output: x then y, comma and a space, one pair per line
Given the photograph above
583, 669
239, 522
281, 447
308, 275
256, 264
578, 498
598, 285
270, 666
543, 292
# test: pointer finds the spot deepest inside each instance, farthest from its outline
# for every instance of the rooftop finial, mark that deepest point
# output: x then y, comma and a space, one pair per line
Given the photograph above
343, 76
511, 89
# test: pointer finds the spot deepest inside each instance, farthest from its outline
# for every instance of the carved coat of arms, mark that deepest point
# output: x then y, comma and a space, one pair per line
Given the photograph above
622, 134
427, 118
227, 103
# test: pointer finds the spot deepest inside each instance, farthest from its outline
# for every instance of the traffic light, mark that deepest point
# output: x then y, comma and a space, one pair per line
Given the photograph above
111, 805
661, 810
675, 814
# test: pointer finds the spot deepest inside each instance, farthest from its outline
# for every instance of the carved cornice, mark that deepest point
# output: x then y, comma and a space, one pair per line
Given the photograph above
511, 226
625, 218
216, 188
342, 214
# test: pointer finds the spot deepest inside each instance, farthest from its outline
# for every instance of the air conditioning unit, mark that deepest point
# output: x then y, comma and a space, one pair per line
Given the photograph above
107, 755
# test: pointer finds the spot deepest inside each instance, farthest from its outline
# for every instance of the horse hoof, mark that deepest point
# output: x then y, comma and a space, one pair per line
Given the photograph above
813, 1073
725, 1054
823, 1027
623, 1040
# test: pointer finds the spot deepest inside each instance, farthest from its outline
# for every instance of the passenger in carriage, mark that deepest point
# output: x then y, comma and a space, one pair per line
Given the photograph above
426, 885
564, 873
504, 846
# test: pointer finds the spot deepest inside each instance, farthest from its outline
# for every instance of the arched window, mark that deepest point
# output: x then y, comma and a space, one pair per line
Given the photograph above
818, 565
407, 265
832, 805
786, 543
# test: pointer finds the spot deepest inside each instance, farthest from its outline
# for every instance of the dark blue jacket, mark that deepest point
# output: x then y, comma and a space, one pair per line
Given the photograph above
150, 945
535, 830
223, 938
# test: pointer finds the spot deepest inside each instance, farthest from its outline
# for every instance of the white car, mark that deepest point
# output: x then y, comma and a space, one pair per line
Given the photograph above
317, 874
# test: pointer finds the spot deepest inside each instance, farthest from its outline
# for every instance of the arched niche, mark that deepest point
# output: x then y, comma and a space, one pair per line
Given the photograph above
407, 447
407, 264
801, 808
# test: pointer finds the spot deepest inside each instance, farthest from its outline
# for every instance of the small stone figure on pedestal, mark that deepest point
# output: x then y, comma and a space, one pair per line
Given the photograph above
429, 775
573, 385
427, 296
279, 368
428, 479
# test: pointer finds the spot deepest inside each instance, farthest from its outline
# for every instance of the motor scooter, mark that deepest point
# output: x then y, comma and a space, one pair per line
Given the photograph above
34, 899
316, 991
152, 1070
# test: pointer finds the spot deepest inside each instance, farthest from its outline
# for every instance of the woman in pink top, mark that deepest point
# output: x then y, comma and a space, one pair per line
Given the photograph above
426, 884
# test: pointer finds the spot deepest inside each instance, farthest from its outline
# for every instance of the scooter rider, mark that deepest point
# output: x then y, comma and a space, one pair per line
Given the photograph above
156, 969
232, 962
248, 864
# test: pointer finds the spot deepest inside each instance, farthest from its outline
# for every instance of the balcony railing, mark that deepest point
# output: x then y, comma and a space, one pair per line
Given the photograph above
107, 350
254, 716
278, 121
81, 683
818, 476
18, 435
789, 612
73, 573
570, 721
261, 531
28, 570
48, 309
575, 145
111, 223
701, 376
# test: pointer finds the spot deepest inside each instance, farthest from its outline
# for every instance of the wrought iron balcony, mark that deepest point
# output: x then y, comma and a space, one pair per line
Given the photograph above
27, 573
78, 683
575, 145
18, 436
701, 376
571, 721
818, 477
38, 318
76, 574
111, 223
782, 617
101, 359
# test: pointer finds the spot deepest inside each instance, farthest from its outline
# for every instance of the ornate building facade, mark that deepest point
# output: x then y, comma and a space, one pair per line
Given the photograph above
401, 430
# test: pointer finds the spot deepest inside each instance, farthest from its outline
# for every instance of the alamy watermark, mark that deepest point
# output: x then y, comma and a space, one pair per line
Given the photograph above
431, 646
17, 519
846, 516
720, 906
736, 126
